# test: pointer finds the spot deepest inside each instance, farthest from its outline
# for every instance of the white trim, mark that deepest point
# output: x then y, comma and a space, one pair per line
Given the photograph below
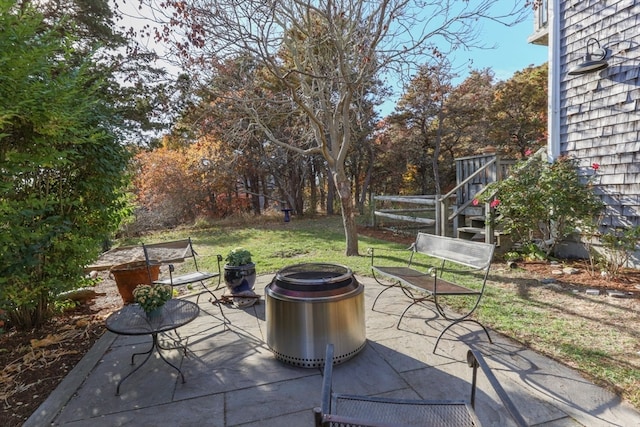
553, 112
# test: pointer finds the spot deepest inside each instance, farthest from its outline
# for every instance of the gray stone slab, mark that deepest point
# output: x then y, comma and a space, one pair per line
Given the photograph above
368, 373
154, 383
207, 411
273, 400
233, 379
296, 419
233, 365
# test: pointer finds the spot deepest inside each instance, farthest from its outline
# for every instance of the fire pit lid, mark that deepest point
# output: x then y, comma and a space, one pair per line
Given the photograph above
314, 279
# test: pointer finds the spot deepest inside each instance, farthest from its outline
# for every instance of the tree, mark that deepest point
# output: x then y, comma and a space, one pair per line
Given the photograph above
390, 160
335, 49
519, 111
62, 169
468, 115
422, 111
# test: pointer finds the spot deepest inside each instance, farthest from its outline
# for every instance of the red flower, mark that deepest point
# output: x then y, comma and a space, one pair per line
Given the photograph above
528, 152
595, 166
475, 202
495, 203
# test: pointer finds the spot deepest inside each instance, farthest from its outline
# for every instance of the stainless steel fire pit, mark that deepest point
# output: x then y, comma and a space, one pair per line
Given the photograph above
311, 305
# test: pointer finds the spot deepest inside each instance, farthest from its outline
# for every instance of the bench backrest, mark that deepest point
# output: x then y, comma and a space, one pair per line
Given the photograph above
476, 255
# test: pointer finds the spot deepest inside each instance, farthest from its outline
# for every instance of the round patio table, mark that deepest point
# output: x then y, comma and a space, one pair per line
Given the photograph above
132, 320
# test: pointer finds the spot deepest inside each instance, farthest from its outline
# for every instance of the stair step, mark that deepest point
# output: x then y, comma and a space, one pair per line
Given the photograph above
469, 233
478, 233
476, 221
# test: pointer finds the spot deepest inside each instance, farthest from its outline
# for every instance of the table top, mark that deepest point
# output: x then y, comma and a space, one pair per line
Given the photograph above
132, 320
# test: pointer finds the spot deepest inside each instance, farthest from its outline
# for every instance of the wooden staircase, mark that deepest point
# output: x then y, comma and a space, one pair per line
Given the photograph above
476, 230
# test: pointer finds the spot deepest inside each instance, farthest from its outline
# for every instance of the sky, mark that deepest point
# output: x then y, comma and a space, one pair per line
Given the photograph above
512, 53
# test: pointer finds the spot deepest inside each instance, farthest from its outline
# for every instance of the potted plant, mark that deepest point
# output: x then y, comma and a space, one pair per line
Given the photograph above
239, 271
152, 297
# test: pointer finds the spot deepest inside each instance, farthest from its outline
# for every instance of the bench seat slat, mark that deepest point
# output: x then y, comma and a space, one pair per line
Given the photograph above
187, 278
425, 282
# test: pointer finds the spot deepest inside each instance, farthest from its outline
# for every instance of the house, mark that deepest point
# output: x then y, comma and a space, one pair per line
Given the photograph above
594, 96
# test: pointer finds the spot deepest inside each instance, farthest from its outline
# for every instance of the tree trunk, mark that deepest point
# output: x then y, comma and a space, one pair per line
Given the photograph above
436, 152
367, 181
331, 186
313, 189
348, 218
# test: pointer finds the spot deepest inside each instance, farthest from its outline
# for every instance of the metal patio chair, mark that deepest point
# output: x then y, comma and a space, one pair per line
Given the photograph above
345, 410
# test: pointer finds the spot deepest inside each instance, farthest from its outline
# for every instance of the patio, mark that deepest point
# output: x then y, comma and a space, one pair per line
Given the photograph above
233, 379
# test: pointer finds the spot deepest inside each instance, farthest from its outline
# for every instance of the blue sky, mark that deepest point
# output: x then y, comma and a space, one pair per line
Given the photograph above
512, 53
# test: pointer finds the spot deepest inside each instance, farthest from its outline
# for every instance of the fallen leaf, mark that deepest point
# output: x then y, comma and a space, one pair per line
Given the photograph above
49, 340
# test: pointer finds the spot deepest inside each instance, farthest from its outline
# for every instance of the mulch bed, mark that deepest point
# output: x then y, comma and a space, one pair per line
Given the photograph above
35, 362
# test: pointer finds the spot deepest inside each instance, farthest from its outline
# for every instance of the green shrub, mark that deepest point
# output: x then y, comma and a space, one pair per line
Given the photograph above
544, 202
619, 244
237, 257
63, 169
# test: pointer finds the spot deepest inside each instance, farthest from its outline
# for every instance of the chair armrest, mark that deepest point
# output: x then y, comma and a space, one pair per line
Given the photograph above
219, 260
327, 379
475, 360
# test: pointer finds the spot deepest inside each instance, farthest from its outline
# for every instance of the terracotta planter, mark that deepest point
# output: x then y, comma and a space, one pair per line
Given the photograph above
131, 274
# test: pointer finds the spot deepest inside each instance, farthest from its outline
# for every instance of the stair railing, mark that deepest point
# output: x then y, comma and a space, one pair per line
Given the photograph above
445, 201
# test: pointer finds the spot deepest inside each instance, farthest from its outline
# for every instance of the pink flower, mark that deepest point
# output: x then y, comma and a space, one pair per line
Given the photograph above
495, 203
595, 166
475, 202
528, 152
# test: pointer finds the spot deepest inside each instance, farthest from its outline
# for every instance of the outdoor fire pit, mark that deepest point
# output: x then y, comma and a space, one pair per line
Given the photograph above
311, 305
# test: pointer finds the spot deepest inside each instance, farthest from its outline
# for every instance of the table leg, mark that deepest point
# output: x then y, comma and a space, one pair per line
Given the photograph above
183, 348
148, 353
154, 345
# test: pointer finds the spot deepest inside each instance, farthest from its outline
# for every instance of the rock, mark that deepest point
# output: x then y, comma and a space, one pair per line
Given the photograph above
593, 292
570, 270
557, 272
617, 294
80, 295
547, 281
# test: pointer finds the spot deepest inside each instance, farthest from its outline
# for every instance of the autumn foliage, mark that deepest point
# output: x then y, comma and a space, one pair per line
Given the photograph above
180, 185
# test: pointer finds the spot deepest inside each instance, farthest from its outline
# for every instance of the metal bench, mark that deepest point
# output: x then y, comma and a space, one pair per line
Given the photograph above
345, 410
461, 263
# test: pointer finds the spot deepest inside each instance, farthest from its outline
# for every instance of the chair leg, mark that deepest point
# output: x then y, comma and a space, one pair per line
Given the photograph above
386, 288
405, 312
460, 321
214, 300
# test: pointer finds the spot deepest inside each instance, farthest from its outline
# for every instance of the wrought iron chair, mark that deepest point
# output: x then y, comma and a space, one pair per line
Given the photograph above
343, 410
181, 251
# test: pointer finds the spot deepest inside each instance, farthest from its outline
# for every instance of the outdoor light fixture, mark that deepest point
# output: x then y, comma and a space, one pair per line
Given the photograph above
589, 64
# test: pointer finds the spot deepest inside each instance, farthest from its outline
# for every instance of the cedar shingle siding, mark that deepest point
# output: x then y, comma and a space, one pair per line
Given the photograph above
600, 111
